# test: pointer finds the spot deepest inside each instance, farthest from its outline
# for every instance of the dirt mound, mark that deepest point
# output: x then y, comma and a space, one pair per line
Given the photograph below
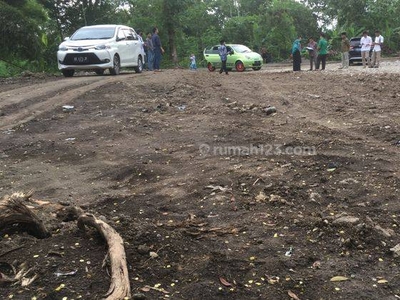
213, 197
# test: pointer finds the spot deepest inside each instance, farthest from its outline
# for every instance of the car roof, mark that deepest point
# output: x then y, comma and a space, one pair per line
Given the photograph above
230, 45
106, 26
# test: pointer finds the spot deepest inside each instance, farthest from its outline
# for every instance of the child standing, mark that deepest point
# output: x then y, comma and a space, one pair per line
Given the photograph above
193, 65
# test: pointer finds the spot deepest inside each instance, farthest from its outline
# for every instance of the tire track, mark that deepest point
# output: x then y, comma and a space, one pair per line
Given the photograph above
32, 111
18, 95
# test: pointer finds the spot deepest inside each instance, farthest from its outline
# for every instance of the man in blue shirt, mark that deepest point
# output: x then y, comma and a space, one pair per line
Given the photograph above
158, 49
223, 54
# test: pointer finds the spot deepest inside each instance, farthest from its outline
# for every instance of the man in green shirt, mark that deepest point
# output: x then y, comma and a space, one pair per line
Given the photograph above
322, 51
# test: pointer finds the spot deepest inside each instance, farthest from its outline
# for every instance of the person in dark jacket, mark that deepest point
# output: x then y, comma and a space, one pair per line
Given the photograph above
223, 54
158, 49
150, 53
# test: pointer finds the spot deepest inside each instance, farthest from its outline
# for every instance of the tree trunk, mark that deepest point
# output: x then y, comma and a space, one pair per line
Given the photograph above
119, 288
172, 46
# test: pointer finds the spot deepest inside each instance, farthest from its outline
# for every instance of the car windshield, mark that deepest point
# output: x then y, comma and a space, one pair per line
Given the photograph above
241, 49
94, 33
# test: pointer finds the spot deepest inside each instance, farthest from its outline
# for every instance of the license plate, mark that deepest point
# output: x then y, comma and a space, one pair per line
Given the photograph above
81, 59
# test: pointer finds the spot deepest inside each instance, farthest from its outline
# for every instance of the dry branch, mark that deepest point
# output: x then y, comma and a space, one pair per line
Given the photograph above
14, 211
119, 288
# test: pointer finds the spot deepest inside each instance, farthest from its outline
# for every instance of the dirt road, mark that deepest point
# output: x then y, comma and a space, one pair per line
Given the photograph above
236, 203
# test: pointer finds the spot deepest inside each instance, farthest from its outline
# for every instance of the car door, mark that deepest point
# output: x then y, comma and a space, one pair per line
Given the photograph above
123, 47
230, 62
135, 46
212, 56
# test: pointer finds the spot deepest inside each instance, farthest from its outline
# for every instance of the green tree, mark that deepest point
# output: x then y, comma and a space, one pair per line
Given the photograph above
21, 34
283, 22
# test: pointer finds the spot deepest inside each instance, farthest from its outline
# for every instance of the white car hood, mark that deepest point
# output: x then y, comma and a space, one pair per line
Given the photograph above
85, 43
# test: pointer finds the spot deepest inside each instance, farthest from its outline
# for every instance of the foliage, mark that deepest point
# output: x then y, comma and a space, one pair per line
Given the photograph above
3, 70
284, 21
31, 30
19, 35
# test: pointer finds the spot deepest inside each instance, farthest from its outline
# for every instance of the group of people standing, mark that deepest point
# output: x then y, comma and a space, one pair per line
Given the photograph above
153, 50
318, 52
367, 45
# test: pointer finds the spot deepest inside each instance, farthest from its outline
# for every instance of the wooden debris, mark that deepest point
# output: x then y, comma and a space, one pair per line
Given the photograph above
14, 211
4, 279
119, 287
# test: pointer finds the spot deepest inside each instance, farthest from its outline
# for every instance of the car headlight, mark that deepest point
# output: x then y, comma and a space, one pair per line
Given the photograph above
102, 47
62, 48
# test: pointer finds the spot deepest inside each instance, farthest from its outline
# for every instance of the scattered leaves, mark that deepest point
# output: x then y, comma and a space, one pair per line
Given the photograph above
293, 295
224, 282
382, 281
156, 287
60, 287
316, 265
261, 197
153, 254
272, 279
339, 278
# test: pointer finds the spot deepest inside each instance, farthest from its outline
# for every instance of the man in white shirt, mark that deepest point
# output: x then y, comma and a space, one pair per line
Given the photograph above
376, 53
366, 43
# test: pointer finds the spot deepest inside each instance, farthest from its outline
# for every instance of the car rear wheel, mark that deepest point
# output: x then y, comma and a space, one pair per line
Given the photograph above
68, 73
210, 67
257, 68
139, 67
116, 66
239, 66
99, 71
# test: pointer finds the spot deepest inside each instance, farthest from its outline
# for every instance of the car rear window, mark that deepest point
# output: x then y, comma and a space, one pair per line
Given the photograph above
212, 50
355, 43
99, 33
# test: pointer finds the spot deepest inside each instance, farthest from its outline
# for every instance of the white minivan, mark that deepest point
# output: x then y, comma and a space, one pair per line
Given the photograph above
101, 47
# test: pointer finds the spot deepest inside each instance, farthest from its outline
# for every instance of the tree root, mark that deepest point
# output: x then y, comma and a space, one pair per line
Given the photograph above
14, 211
119, 288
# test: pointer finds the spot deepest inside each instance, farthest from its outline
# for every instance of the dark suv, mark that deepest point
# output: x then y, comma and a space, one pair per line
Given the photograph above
355, 51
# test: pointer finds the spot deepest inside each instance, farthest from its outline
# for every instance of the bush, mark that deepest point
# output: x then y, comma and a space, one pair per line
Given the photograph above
3, 70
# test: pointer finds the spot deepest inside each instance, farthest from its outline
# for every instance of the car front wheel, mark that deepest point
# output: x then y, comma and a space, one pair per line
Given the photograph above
139, 67
210, 67
239, 66
116, 66
68, 73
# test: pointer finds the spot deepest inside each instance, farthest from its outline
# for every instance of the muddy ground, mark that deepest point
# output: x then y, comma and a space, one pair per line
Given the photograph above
214, 197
